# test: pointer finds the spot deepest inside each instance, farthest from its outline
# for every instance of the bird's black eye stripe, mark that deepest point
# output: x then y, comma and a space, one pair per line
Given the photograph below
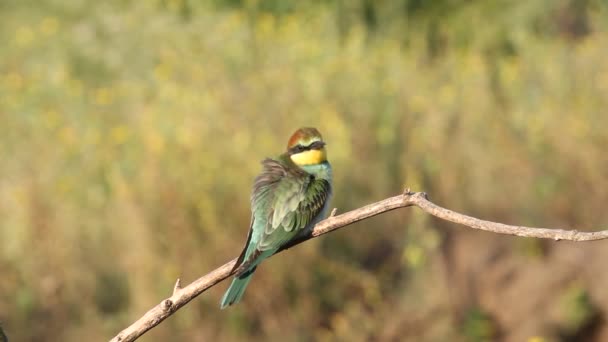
297, 149
317, 145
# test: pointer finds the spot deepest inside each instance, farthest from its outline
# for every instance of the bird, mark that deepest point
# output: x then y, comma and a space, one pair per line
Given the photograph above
289, 197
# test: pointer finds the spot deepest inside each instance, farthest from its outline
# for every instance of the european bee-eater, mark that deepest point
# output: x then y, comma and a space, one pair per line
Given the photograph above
289, 197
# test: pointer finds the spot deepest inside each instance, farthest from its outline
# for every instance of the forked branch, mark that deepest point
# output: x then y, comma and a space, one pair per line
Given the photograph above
182, 295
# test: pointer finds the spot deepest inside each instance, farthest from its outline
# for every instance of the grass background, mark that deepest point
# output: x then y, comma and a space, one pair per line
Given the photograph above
131, 133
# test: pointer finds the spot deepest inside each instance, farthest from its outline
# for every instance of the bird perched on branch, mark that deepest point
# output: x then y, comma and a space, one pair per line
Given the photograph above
289, 197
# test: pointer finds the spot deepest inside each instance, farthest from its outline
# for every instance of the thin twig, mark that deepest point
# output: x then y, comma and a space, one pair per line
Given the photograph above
419, 199
178, 285
333, 212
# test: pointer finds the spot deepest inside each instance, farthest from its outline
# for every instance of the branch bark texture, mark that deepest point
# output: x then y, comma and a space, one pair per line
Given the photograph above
182, 295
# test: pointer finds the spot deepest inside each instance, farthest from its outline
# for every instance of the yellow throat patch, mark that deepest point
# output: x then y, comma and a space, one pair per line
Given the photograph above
309, 157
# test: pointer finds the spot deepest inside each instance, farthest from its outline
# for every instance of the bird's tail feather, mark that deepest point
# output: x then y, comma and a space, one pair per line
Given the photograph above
237, 288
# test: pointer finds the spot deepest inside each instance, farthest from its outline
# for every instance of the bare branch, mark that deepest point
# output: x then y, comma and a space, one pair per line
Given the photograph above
419, 199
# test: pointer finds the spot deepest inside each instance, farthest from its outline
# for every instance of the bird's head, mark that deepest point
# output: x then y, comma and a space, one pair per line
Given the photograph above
306, 147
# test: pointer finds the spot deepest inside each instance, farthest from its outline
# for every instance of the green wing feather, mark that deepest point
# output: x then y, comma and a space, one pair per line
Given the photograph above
288, 199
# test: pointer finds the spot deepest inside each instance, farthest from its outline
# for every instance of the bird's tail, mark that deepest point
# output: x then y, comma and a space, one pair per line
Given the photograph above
237, 288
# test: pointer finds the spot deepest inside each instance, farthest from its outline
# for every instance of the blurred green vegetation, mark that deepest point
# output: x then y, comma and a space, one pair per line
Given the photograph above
131, 132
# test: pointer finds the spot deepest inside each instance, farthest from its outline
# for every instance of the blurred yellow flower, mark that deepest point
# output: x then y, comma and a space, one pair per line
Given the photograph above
413, 255
537, 339
418, 103
64, 185
51, 118
49, 26
162, 72
24, 36
103, 96
510, 71
265, 24
291, 25
119, 134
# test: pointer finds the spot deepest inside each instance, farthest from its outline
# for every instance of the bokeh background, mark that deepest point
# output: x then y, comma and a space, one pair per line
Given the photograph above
131, 133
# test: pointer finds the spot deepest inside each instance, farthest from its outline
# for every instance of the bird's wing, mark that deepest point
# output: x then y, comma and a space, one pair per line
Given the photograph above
288, 198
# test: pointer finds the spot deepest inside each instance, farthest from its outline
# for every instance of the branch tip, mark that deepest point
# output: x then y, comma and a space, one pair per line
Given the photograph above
178, 285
